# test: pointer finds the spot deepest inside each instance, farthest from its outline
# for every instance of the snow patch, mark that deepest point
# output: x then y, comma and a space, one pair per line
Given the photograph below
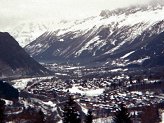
103, 120
88, 45
21, 83
126, 55
139, 61
50, 103
96, 92
162, 117
61, 40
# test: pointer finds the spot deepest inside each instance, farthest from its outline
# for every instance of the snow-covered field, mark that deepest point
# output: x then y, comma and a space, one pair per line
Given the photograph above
83, 91
103, 120
22, 83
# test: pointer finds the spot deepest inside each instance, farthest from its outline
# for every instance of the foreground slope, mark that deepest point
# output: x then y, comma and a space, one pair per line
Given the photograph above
14, 60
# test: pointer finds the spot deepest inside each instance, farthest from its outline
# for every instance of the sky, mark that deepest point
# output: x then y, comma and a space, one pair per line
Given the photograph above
14, 11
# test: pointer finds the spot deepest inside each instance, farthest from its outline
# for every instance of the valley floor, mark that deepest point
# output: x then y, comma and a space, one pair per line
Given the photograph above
142, 96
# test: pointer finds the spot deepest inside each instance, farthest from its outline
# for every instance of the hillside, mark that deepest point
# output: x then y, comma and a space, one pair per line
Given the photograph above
15, 61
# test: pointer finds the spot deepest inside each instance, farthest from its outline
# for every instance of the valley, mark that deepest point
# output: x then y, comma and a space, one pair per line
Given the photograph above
100, 91
85, 69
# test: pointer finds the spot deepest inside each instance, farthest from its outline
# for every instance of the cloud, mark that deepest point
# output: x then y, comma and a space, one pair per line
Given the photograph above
17, 10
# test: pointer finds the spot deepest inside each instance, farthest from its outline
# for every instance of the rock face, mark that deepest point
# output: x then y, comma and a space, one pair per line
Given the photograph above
14, 60
122, 37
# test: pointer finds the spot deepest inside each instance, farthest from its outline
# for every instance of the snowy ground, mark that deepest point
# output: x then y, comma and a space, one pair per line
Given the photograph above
103, 120
22, 83
82, 91
162, 117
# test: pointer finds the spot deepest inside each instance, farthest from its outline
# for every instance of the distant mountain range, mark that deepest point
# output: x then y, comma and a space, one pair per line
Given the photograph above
15, 61
130, 36
25, 33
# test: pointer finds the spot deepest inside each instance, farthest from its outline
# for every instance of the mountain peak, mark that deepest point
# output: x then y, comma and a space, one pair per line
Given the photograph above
131, 9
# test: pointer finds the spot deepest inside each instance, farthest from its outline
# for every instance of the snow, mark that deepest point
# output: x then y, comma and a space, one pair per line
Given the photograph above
137, 92
25, 103
103, 120
116, 70
88, 45
126, 55
122, 94
75, 89
61, 74
61, 40
94, 92
143, 16
60, 121
50, 103
26, 32
14, 113
21, 83
162, 117
139, 61
84, 110
39, 45
8, 102
91, 92
141, 20
117, 47
72, 68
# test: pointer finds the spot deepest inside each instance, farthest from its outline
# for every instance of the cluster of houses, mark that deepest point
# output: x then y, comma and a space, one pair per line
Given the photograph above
117, 90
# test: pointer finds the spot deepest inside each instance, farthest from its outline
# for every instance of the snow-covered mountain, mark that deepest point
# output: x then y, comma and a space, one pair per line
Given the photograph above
26, 32
111, 37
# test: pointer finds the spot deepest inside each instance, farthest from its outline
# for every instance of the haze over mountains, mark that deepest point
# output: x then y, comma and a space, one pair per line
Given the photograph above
24, 33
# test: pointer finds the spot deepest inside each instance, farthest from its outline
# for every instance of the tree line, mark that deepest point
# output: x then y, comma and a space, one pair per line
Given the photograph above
72, 115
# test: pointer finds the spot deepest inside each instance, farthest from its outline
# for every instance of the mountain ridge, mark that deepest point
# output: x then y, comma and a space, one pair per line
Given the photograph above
98, 38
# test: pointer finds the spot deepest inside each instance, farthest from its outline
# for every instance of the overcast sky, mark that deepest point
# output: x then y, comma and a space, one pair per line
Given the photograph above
13, 11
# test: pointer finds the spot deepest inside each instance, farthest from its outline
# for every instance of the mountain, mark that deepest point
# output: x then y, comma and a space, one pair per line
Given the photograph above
121, 37
26, 32
14, 60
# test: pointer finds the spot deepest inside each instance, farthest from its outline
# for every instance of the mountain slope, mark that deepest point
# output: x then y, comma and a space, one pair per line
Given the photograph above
27, 31
154, 50
108, 37
14, 60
